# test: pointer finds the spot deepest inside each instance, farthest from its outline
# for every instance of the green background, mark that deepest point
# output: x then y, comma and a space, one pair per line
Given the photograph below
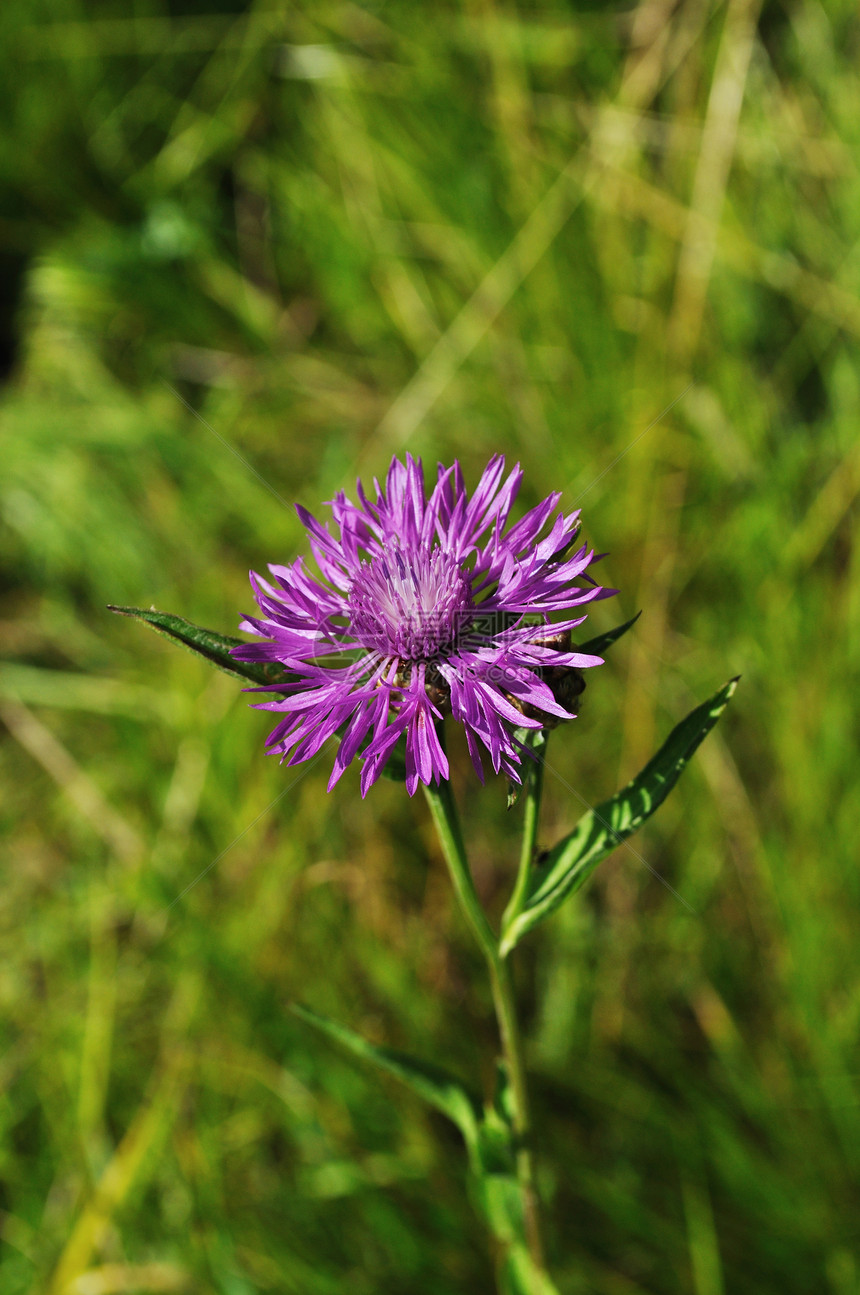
247, 253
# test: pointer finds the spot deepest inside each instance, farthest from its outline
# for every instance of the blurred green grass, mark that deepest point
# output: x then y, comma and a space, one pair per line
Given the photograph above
618, 242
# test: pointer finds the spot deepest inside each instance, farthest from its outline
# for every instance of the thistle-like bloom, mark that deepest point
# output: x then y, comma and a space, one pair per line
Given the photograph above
425, 607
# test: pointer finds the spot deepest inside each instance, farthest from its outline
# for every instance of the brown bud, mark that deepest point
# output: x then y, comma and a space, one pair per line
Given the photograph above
565, 682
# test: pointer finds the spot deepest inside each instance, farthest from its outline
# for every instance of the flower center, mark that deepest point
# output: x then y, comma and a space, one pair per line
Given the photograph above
410, 607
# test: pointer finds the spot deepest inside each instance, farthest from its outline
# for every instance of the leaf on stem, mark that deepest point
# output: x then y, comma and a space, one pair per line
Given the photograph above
489, 1139
436, 1086
598, 832
522, 1276
214, 647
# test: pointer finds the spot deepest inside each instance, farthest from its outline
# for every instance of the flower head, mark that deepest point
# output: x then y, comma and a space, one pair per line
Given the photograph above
424, 606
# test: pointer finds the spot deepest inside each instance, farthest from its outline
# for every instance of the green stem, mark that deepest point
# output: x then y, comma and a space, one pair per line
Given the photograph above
512, 1045
446, 819
533, 792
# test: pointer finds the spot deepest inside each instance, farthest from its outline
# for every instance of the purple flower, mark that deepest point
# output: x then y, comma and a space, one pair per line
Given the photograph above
426, 606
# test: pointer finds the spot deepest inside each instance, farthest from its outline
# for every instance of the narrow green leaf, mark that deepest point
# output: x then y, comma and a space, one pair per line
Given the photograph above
597, 646
206, 643
598, 832
436, 1086
521, 1276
